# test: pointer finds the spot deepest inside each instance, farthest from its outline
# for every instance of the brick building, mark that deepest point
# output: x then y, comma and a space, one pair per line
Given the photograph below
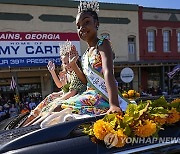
159, 44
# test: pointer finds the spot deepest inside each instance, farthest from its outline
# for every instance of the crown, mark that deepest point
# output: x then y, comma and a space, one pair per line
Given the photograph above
84, 6
64, 48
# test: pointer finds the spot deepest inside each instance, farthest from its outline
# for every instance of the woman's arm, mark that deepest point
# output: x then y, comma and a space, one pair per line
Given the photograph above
56, 79
73, 58
79, 73
107, 66
51, 68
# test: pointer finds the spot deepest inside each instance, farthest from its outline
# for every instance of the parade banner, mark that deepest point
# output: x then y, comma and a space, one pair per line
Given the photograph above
21, 49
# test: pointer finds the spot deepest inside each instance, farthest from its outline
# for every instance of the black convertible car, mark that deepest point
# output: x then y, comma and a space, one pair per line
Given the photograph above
68, 138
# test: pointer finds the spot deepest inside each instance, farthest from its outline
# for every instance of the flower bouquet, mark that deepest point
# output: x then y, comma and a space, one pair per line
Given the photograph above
131, 94
144, 119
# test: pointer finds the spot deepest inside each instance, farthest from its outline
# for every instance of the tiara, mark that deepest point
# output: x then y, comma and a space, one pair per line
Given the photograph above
64, 48
84, 6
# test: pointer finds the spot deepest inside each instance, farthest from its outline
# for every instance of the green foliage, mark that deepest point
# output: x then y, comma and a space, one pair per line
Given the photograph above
127, 120
88, 129
175, 105
113, 120
131, 110
135, 111
160, 102
143, 108
127, 131
158, 110
109, 117
136, 114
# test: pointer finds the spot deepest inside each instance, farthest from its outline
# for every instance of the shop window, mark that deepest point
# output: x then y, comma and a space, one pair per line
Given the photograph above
166, 40
178, 40
151, 40
153, 79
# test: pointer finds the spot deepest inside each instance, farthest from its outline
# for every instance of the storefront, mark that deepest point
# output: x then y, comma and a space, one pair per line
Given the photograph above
24, 55
34, 27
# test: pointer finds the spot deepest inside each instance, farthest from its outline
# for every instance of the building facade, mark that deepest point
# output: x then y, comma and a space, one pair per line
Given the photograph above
40, 19
159, 42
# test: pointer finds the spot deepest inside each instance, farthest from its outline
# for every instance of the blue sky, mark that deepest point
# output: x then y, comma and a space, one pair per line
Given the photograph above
172, 4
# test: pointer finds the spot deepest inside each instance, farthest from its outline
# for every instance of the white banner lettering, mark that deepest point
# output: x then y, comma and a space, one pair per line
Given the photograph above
33, 48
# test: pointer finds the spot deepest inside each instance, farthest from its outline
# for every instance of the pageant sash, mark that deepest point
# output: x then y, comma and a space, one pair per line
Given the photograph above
97, 82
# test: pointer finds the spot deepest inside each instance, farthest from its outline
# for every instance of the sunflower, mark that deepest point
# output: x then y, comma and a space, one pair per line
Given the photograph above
118, 116
177, 100
131, 93
121, 138
137, 94
101, 129
125, 95
173, 117
159, 120
145, 130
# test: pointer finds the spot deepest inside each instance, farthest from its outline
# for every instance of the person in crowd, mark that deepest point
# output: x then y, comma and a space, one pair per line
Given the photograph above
2, 113
32, 104
159, 91
6, 107
68, 81
13, 110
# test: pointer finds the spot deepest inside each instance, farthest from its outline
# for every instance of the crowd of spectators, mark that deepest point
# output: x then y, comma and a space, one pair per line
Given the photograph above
10, 108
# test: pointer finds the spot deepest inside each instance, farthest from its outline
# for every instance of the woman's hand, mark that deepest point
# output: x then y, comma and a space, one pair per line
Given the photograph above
114, 109
51, 66
73, 55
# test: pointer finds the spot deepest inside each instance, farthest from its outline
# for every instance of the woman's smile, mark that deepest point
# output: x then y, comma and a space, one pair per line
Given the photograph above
84, 34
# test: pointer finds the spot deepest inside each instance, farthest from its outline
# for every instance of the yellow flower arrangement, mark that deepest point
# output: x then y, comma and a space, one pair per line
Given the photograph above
121, 138
143, 119
173, 116
145, 130
177, 100
160, 120
101, 129
125, 95
131, 94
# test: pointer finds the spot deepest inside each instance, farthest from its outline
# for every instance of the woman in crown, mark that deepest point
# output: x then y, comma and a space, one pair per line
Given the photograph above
101, 95
67, 81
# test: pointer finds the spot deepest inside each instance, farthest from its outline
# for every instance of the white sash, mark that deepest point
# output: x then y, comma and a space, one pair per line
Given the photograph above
97, 81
